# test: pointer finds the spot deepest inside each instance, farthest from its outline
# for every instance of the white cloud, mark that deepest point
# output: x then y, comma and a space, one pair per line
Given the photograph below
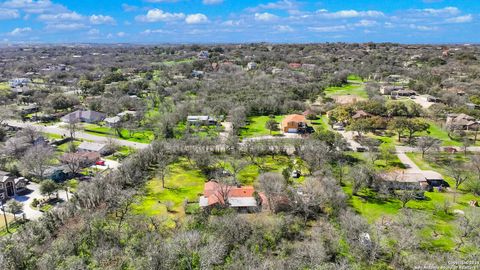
334, 28
460, 19
196, 18
283, 5
283, 28
93, 32
101, 19
6, 14
155, 31
129, 8
366, 23
20, 31
423, 27
265, 17
233, 22
212, 2
35, 6
158, 15
447, 11
345, 14
64, 26
61, 17
121, 34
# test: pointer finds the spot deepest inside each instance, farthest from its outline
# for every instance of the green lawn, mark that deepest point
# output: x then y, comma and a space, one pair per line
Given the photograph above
200, 131
320, 124
4, 86
440, 235
348, 89
256, 126
438, 132
249, 174
184, 182
121, 153
140, 137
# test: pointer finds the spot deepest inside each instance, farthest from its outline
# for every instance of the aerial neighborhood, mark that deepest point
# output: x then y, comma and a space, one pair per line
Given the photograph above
239, 156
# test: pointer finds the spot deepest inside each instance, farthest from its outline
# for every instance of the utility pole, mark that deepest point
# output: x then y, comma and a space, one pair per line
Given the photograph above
4, 216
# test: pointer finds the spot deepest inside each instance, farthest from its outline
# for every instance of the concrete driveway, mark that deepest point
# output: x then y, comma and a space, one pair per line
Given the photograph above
34, 193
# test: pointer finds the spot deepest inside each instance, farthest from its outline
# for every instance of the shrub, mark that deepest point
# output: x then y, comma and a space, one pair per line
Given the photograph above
35, 202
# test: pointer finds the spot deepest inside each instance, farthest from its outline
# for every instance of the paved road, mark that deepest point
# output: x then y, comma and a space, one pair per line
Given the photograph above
79, 134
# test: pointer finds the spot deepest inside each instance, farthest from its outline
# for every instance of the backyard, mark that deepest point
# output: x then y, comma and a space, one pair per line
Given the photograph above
144, 136
256, 126
437, 208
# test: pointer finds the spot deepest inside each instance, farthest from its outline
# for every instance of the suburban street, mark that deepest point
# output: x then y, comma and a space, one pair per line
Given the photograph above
79, 134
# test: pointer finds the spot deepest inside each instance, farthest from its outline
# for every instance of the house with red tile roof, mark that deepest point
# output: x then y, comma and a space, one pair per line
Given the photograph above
294, 123
243, 198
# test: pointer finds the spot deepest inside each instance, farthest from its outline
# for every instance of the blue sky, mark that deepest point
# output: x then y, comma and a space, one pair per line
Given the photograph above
219, 21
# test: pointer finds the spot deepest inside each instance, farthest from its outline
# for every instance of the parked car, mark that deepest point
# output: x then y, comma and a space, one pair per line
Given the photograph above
296, 174
100, 162
338, 127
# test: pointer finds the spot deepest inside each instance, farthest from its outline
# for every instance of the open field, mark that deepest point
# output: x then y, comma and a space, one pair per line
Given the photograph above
137, 136
348, 89
182, 183
256, 126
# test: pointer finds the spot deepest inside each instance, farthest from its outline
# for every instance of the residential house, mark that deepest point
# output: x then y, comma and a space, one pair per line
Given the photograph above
361, 114
19, 82
404, 93
294, 123
295, 65
84, 159
203, 55
202, 120
462, 122
422, 179
242, 198
10, 185
92, 147
388, 89
83, 116
197, 74
251, 65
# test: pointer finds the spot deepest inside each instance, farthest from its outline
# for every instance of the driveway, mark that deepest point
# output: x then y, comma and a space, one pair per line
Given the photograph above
109, 164
55, 129
34, 193
411, 167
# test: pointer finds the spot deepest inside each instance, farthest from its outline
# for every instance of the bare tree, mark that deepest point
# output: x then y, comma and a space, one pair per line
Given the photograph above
459, 174
406, 195
427, 143
36, 160
73, 128
274, 186
224, 186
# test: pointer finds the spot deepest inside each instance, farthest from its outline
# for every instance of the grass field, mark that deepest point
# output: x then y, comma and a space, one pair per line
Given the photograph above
140, 137
441, 232
321, 123
256, 126
183, 182
4, 86
355, 89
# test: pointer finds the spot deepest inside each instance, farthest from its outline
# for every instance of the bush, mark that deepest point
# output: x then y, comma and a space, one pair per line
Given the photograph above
473, 186
35, 202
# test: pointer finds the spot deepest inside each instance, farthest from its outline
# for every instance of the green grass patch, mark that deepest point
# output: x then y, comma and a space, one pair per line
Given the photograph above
256, 126
146, 136
183, 182
348, 89
4, 87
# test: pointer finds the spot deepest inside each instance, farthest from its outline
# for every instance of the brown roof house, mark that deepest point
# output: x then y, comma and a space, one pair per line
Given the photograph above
10, 185
242, 198
361, 114
461, 122
294, 123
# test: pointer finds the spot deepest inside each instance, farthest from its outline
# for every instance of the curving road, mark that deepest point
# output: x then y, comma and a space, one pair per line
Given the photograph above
79, 134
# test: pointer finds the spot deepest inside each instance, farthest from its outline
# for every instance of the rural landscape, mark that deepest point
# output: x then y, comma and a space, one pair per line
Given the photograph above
262, 155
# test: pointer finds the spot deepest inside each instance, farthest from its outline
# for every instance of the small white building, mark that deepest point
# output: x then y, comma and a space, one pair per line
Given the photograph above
92, 147
251, 65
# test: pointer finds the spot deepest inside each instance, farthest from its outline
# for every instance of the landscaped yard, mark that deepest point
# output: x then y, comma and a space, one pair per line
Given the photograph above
183, 182
145, 136
256, 126
441, 233
348, 89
